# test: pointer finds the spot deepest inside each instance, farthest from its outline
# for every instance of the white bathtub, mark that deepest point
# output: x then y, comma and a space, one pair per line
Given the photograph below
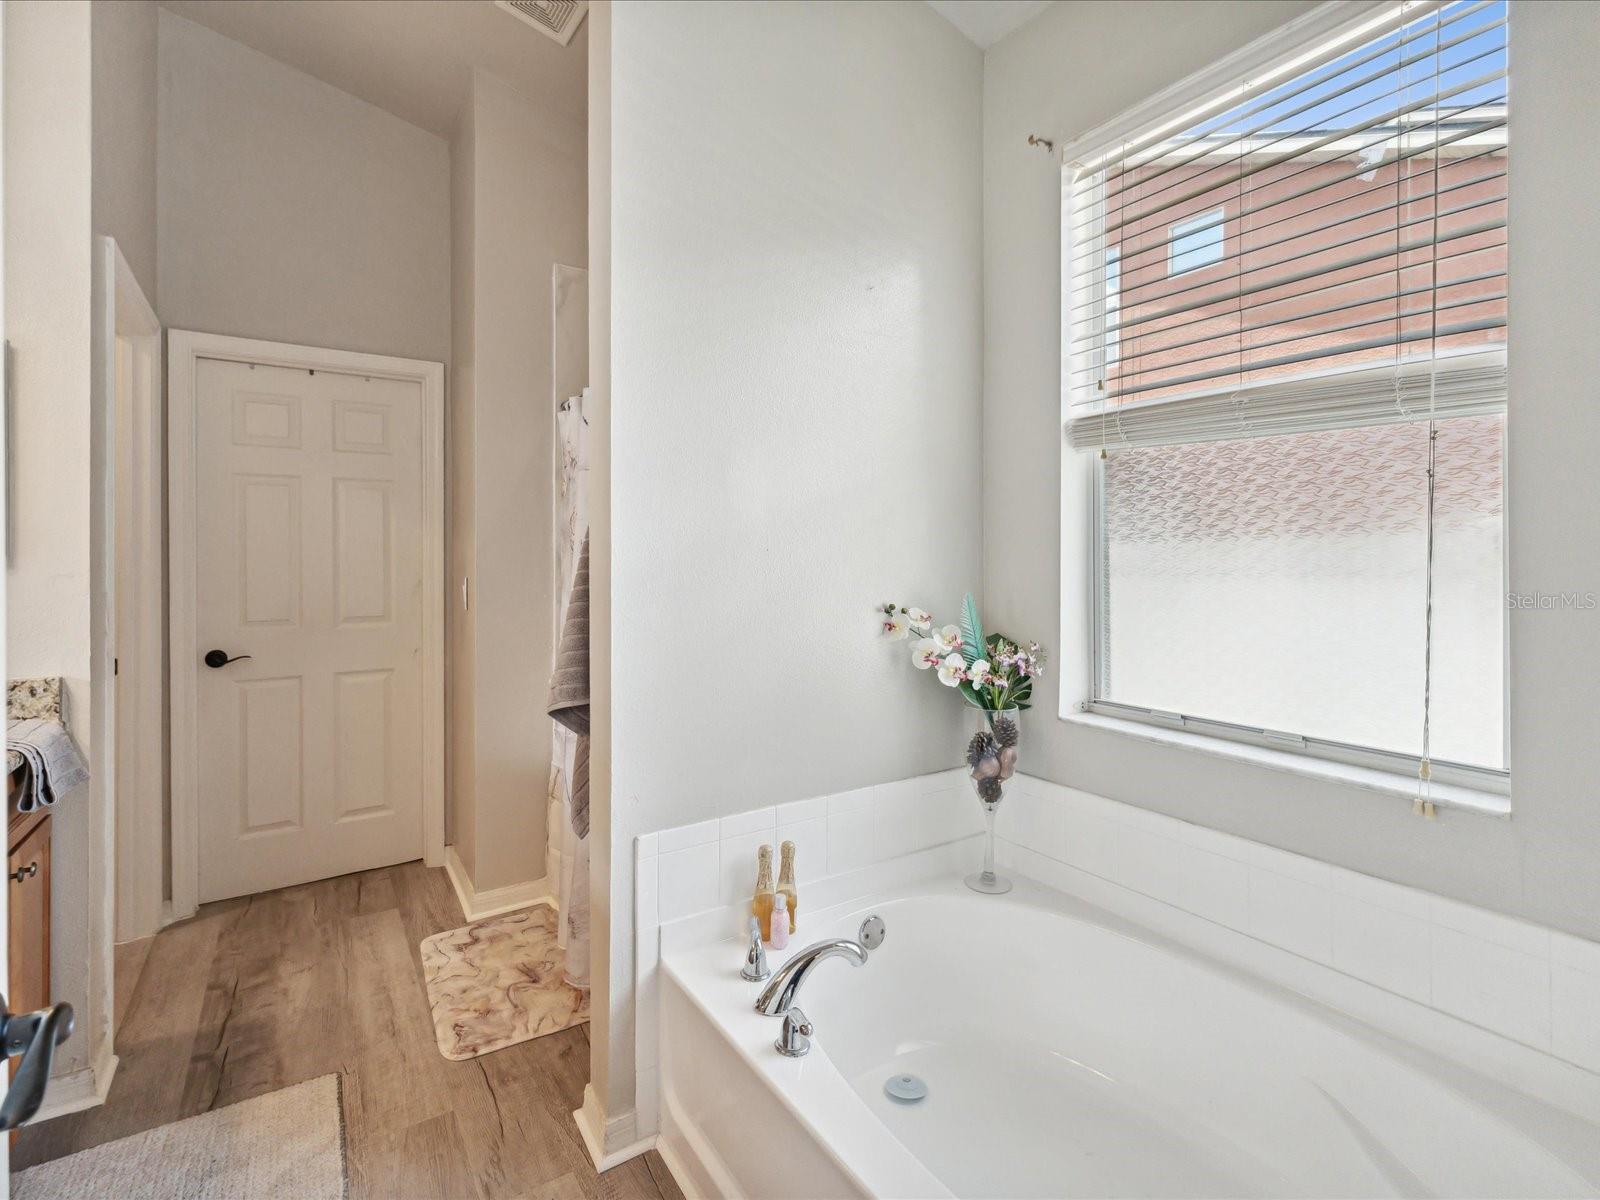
1068, 1053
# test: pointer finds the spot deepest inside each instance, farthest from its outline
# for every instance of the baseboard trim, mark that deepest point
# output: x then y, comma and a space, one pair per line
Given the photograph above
171, 915
82, 1089
610, 1143
478, 905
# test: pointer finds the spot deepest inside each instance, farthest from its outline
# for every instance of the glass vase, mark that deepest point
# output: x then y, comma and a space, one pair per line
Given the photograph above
991, 762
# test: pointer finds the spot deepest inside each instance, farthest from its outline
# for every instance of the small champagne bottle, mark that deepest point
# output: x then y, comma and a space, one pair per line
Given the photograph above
786, 886
761, 905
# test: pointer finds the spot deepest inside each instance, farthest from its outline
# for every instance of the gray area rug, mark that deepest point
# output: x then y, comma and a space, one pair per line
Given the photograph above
285, 1143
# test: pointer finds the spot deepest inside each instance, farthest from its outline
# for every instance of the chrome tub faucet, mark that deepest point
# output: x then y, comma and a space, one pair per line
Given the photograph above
755, 968
778, 999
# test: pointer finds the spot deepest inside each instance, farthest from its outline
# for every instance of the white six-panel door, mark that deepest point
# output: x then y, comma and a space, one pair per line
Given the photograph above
309, 557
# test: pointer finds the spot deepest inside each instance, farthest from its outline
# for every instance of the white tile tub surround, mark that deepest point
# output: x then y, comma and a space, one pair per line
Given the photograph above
1575, 999
1517, 981
698, 878
1520, 981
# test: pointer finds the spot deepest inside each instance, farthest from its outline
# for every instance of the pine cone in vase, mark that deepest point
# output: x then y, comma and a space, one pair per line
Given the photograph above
989, 790
982, 755
1005, 732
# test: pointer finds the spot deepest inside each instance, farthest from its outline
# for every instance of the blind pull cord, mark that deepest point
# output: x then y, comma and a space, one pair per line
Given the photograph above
1424, 803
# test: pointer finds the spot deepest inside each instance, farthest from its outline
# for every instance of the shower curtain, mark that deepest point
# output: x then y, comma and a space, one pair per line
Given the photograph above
571, 849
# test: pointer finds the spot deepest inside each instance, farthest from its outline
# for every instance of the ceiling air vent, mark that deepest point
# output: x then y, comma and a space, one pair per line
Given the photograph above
558, 19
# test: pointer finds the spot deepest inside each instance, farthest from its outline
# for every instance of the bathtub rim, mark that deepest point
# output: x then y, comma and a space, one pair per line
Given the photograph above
811, 1089
691, 956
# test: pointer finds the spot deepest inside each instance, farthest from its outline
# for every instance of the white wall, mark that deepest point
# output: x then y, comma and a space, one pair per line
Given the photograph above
292, 211
521, 169
610, 954
1553, 488
794, 410
1080, 64
52, 577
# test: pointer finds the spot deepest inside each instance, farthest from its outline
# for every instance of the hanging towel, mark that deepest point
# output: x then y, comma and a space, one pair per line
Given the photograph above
569, 682
55, 766
569, 686
580, 787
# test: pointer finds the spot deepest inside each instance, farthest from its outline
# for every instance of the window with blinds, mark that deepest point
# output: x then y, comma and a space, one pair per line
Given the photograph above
1285, 335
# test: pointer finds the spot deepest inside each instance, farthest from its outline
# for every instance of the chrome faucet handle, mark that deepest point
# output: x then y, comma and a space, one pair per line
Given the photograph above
794, 1041
871, 933
755, 967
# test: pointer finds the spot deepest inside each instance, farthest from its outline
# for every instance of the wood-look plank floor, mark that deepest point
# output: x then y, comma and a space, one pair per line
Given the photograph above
256, 994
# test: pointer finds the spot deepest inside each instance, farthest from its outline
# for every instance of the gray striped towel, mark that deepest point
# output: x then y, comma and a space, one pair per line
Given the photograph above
55, 765
569, 682
569, 686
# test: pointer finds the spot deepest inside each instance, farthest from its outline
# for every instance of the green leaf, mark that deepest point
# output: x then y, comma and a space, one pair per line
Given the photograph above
970, 694
973, 645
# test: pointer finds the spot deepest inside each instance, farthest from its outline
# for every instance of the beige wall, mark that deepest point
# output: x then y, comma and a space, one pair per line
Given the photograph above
292, 211
54, 578
1056, 78
795, 273
124, 66
461, 826
522, 170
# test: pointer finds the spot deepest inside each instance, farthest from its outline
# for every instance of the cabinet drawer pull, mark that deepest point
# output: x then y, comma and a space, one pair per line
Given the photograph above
24, 873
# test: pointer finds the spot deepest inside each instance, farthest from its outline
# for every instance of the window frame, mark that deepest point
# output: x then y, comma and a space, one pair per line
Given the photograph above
1277, 54
1213, 218
1496, 781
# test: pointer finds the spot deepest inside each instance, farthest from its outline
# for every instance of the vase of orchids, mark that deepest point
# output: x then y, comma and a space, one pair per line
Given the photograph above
994, 674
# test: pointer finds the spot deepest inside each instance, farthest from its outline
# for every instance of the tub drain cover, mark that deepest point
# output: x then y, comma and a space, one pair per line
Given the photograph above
907, 1089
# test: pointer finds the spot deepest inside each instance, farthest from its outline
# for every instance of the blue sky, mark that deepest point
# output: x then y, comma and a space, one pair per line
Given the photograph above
1478, 32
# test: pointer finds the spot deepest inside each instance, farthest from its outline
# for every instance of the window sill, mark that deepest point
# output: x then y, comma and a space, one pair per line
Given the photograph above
1443, 795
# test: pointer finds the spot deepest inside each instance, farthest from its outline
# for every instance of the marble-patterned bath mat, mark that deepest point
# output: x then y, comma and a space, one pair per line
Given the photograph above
498, 982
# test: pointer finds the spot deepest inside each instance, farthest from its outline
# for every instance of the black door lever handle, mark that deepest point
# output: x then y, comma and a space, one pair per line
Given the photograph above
219, 658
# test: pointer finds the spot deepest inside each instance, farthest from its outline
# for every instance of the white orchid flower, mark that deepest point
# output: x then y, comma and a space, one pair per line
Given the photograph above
980, 671
950, 670
949, 638
921, 619
895, 626
926, 653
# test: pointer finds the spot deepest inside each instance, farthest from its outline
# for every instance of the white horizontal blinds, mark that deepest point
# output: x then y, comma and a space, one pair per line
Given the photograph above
1468, 384
1285, 260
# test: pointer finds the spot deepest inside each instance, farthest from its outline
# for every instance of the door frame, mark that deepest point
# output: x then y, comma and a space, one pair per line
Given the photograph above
136, 694
185, 350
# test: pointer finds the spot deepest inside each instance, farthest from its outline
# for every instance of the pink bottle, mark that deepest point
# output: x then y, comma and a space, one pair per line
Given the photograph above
780, 926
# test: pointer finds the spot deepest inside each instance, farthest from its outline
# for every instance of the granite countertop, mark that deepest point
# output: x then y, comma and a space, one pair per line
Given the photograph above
27, 698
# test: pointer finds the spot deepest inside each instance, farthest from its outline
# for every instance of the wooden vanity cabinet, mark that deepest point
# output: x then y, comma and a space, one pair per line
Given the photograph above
28, 884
